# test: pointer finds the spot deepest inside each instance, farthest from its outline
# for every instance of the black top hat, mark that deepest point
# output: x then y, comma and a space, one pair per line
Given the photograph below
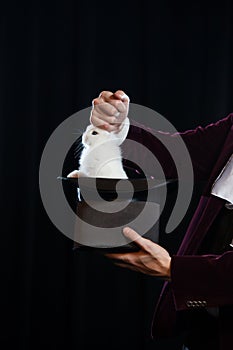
104, 206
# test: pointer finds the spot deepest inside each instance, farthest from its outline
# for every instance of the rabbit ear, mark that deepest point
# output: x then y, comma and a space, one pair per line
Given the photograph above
123, 132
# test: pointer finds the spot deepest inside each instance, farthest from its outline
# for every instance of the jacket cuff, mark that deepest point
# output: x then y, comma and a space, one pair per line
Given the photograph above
194, 282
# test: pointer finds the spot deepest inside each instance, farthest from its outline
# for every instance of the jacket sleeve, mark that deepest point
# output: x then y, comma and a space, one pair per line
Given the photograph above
203, 144
199, 281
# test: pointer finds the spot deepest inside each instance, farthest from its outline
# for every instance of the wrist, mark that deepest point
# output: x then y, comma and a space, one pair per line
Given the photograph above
168, 269
123, 130
124, 124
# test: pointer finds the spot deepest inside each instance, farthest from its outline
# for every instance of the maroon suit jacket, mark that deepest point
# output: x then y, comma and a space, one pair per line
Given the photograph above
208, 278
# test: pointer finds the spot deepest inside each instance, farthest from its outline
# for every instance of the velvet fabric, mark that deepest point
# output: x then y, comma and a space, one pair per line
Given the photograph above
204, 278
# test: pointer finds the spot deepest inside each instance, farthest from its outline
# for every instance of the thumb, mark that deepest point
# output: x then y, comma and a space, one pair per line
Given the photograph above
134, 236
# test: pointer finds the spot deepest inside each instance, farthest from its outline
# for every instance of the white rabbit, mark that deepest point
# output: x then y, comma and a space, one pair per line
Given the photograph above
101, 155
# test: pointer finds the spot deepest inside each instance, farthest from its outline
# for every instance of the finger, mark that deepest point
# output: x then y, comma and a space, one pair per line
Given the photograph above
107, 109
97, 101
118, 104
103, 121
121, 95
106, 118
143, 271
105, 95
114, 256
134, 236
110, 103
100, 123
127, 258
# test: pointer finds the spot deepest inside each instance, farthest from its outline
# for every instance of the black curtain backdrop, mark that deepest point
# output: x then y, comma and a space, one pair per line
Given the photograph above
56, 56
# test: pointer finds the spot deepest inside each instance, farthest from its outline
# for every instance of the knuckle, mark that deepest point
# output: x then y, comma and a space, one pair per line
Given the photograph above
95, 101
105, 93
93, 119
93, 112
112, 110
112, 120
120, 92
146, 244
123, 94
102, 93
126, 259
118, 103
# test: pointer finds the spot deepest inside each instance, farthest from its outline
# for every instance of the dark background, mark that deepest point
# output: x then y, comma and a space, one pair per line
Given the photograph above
57, 56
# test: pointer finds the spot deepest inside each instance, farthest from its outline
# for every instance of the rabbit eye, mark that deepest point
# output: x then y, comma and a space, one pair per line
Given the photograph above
94, 133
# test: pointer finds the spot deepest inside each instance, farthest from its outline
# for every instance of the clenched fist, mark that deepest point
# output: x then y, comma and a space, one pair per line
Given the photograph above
109, 110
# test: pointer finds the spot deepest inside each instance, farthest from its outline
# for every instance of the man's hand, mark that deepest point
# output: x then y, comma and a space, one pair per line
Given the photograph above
109, 110
151, 259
